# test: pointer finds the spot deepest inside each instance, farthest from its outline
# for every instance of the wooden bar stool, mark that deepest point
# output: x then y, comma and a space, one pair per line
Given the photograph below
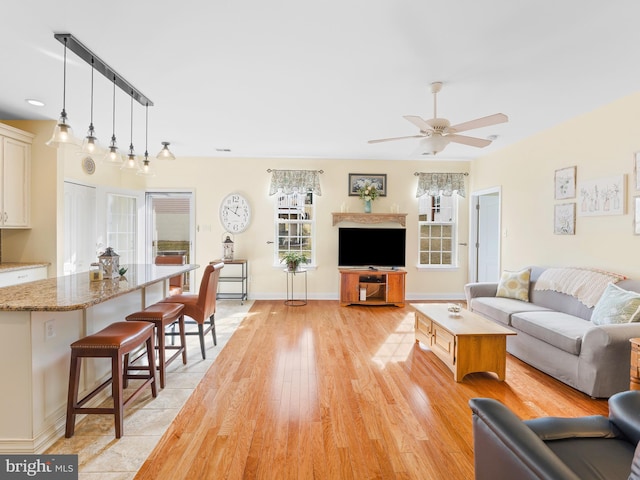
161, 315
115, 341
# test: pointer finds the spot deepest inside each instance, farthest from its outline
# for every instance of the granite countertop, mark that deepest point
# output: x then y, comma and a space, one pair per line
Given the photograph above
76, 292
12, 266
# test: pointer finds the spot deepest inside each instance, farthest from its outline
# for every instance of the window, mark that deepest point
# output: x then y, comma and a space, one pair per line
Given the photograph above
437, 227
295, 225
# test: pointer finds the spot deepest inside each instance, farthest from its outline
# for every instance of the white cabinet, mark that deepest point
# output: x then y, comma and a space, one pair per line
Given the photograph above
23, 275
15, 177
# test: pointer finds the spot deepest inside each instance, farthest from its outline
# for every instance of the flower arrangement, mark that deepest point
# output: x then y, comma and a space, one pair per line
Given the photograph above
367, 190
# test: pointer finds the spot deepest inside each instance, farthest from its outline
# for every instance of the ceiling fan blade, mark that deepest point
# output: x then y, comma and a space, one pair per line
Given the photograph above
418, 122
479, 122
379, 140
471, 141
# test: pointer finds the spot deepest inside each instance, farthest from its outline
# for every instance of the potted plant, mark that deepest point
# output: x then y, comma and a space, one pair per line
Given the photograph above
293, 260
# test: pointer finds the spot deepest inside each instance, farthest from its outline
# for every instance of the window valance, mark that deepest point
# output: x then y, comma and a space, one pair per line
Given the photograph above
440, 184
290, 181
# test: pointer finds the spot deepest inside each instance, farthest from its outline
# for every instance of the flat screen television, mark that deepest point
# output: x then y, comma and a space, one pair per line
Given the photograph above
371, 247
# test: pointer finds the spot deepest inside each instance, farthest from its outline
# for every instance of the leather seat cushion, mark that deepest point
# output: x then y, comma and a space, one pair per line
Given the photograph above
117, 335
555, 328
595, 458
158, 311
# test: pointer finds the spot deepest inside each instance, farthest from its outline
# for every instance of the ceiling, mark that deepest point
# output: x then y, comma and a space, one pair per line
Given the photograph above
300, 79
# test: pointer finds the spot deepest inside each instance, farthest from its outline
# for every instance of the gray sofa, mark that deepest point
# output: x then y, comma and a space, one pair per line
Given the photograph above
555, 335
555, 448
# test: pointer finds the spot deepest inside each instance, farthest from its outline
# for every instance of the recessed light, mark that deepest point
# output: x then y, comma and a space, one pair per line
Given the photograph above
34, 102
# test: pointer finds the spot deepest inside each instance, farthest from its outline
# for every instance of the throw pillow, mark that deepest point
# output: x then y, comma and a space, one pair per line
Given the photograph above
514, 285
616, 305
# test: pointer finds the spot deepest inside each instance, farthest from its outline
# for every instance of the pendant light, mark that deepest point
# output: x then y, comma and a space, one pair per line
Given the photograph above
131, 162
62, 133
90, 142
165, 153
146, 168
112, 156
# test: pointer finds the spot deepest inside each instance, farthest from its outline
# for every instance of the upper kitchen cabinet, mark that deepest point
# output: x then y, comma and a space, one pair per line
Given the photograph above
15, 171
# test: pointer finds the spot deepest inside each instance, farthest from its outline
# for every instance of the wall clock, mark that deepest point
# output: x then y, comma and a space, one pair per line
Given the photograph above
235, 213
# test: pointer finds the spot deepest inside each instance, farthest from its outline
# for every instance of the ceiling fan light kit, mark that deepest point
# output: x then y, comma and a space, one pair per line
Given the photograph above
436, 133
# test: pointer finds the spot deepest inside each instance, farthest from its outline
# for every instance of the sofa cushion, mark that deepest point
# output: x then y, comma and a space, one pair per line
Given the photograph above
616, 305
555, 328
514, 285
500, 309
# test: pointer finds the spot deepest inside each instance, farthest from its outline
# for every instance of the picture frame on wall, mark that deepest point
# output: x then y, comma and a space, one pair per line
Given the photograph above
636, 215
564, 219
565, 183
603, 196
636, 169
357, 180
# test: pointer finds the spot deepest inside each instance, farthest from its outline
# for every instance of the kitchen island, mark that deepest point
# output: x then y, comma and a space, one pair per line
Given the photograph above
38, 322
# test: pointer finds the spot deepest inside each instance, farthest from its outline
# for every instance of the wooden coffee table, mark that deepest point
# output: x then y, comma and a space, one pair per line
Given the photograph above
465, 342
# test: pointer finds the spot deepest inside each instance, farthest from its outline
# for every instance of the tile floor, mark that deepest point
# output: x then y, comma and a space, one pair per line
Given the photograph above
103, 457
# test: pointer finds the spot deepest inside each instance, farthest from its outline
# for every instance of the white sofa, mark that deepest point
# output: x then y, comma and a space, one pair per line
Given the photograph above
556, 336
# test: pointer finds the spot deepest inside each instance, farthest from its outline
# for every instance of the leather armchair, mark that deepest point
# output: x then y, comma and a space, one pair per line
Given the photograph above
593, 447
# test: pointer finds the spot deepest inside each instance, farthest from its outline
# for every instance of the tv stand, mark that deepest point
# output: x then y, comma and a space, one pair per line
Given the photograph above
381, 287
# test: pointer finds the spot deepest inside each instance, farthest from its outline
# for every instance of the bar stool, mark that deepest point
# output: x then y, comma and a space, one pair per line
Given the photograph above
161, 315
114, 341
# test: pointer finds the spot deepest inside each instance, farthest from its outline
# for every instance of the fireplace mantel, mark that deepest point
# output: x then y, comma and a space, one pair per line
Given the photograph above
400, 218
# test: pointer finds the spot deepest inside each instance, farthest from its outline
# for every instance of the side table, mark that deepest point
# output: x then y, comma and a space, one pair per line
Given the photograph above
291, 300
241, 277
634, 374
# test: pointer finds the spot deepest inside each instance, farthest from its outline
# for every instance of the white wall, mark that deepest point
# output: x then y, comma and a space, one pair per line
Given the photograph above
601, 144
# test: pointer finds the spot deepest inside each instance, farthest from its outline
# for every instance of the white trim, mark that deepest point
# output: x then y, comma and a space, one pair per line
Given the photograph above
473, 228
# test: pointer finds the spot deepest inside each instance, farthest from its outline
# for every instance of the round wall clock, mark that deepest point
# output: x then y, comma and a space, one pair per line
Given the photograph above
88, 165
235, 213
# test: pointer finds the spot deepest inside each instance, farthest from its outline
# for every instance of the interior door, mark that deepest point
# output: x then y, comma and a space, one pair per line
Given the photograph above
487, 236
80, 228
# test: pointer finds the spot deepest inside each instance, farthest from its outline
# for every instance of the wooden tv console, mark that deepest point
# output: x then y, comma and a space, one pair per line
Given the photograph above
381, 287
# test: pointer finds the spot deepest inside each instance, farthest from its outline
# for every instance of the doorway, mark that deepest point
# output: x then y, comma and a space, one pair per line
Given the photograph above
80, 228
170, 227
485, 230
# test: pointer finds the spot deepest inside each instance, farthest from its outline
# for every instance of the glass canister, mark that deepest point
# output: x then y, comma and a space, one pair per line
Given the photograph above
95, 272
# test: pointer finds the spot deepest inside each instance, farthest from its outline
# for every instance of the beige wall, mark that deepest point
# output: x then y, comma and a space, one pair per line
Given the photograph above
601, 144
214, 178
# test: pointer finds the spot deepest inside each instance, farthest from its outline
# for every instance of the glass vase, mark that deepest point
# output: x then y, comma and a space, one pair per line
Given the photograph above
367, 206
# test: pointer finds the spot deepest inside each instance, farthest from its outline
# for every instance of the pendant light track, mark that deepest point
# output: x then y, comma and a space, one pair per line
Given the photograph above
92, 59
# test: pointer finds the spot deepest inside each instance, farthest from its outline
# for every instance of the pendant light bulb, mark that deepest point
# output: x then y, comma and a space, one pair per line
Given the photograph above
165, 153
146, 169
112, 157
131, 162
90, 143
62, 133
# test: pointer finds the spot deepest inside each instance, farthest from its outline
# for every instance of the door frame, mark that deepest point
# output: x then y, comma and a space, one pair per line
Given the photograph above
473, 230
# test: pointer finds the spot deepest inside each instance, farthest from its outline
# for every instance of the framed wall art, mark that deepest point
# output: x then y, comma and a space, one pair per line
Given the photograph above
604, 196
565, 183
358, 180
564, 219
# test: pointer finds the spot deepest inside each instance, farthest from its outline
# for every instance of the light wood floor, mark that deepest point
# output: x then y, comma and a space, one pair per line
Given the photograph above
331, 392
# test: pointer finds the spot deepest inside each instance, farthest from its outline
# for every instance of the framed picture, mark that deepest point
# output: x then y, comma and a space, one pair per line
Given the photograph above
604, 196
636, 169
636, 216
357, 180
565, 183
564, 219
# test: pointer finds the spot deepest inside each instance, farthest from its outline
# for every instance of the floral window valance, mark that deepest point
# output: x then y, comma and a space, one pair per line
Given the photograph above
290, 181
440, 184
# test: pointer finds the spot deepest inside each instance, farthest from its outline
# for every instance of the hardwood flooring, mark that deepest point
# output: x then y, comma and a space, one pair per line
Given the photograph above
330, 392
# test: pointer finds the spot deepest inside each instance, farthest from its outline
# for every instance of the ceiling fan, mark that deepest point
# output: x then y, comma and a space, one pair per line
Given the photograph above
436, 133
